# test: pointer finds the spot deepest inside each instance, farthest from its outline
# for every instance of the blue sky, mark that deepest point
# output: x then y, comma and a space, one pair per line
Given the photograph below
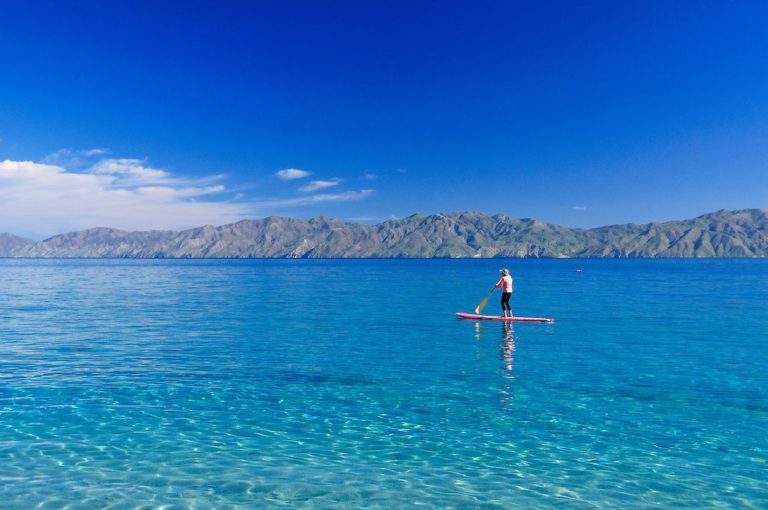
167, 114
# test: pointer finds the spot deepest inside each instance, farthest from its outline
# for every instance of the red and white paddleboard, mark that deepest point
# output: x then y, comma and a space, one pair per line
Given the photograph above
476, 317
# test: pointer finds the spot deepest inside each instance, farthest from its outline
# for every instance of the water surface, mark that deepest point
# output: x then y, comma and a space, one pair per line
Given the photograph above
349, 384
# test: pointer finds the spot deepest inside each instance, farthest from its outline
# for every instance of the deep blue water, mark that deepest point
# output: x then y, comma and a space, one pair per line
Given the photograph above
349, 384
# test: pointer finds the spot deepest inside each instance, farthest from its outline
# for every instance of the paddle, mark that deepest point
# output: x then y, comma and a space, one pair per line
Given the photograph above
482, 304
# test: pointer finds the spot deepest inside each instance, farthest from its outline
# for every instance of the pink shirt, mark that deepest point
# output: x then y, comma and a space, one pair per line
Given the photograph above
505, 283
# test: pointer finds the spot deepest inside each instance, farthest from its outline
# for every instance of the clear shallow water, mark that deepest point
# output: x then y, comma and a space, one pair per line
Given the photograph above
349, 384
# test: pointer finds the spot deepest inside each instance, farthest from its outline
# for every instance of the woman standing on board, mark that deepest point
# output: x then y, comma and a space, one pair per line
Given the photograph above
505, 282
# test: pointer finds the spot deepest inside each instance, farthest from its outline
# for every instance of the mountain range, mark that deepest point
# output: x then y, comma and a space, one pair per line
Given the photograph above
724, 233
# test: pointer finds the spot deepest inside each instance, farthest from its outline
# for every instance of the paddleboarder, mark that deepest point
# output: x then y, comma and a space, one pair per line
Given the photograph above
505, 283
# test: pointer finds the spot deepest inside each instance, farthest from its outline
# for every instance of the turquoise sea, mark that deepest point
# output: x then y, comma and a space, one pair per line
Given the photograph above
212, 384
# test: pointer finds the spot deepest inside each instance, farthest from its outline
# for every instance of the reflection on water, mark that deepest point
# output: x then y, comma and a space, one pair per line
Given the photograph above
507, 355
506, 395
507, 346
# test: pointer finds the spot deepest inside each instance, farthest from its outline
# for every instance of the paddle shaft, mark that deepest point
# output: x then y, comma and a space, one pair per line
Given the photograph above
482, 304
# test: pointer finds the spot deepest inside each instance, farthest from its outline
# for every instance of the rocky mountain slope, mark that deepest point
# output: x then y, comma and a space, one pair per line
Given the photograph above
721, 234
10, 244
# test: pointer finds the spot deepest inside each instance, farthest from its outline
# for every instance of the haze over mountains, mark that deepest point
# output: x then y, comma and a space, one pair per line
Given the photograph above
724, 233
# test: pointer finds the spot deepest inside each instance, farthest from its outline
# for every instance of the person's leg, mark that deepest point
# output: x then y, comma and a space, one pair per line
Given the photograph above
505, 304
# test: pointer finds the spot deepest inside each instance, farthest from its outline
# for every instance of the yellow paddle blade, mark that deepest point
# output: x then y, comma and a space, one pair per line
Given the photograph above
481, 305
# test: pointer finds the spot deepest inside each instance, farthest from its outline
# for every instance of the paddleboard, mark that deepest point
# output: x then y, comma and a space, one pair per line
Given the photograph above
476, 317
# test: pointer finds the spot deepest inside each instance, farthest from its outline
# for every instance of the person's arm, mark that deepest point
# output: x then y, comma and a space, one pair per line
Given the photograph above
499, 283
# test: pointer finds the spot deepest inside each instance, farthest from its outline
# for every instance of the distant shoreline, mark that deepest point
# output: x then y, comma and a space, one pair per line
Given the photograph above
467, 235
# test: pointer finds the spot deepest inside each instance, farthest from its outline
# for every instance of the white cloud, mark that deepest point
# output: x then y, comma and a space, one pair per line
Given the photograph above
318, 185
370, 176
580, 208
347, 196
174, 193
290, 174
130, 173
43, 199
71, 158
39, 199
133, 168
95, 152
56, 157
